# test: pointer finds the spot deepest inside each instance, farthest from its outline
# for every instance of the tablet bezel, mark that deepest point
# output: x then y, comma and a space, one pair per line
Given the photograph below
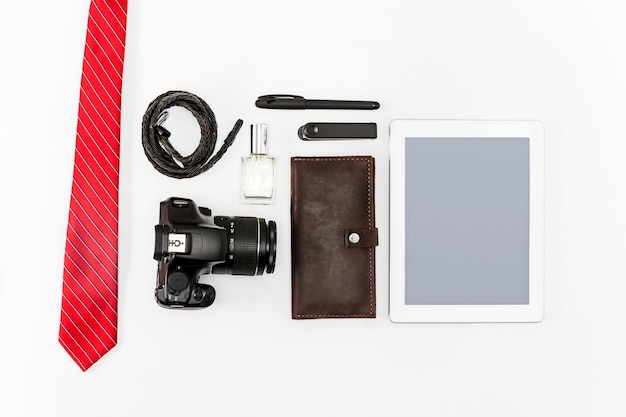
400, 130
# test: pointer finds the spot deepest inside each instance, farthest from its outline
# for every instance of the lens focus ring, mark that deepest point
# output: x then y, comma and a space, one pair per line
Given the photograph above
245, 254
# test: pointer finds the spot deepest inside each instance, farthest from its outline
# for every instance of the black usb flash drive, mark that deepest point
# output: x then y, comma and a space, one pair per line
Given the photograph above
326, 131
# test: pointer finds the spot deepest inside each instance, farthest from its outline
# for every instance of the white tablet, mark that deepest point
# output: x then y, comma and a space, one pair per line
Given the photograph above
466, 221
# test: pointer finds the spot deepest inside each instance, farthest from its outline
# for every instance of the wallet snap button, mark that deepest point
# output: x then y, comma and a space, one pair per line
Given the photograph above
354, 238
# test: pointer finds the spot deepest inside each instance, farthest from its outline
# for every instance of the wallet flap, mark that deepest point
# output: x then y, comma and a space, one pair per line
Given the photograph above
361, 238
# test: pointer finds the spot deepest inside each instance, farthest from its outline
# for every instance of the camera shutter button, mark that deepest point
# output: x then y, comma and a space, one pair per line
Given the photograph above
178, 281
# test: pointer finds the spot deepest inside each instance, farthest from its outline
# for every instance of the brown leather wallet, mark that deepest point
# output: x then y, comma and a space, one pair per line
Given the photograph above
333, 236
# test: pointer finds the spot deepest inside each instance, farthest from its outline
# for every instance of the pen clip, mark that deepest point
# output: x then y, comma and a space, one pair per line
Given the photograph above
278, 97
264, 101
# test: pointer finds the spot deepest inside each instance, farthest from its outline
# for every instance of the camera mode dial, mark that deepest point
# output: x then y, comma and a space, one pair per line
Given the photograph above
177, 281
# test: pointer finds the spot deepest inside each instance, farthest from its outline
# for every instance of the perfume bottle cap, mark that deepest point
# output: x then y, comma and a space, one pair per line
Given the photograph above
258, 139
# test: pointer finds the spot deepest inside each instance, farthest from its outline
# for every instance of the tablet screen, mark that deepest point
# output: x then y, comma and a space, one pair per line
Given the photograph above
467, 220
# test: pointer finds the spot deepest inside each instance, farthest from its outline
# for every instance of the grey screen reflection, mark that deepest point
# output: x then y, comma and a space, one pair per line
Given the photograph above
467, 221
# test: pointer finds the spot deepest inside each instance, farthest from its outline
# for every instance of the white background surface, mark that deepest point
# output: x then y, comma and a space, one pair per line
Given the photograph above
560, 62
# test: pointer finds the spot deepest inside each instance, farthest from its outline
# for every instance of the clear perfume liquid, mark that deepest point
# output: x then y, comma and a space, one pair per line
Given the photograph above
257, 179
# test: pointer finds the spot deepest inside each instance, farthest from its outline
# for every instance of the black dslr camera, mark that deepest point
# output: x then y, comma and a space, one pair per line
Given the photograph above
189, 242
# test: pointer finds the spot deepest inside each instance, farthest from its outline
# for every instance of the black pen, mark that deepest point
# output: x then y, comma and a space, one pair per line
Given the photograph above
286, 101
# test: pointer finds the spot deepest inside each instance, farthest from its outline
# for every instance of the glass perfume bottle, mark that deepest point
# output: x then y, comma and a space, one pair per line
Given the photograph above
257, 169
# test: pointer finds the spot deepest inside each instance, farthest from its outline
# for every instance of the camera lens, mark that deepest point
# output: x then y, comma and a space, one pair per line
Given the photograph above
270, 248
253, 246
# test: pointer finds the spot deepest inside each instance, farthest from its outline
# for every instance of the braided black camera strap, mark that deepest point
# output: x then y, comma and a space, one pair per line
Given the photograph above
159, 150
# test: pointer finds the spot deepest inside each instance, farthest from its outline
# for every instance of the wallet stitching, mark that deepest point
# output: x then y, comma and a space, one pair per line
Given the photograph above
369, 220
371, 226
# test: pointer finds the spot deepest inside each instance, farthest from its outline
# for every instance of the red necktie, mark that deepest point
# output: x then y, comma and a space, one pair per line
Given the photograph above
89, 306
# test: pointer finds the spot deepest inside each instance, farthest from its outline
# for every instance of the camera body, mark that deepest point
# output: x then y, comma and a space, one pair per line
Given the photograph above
190, 242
